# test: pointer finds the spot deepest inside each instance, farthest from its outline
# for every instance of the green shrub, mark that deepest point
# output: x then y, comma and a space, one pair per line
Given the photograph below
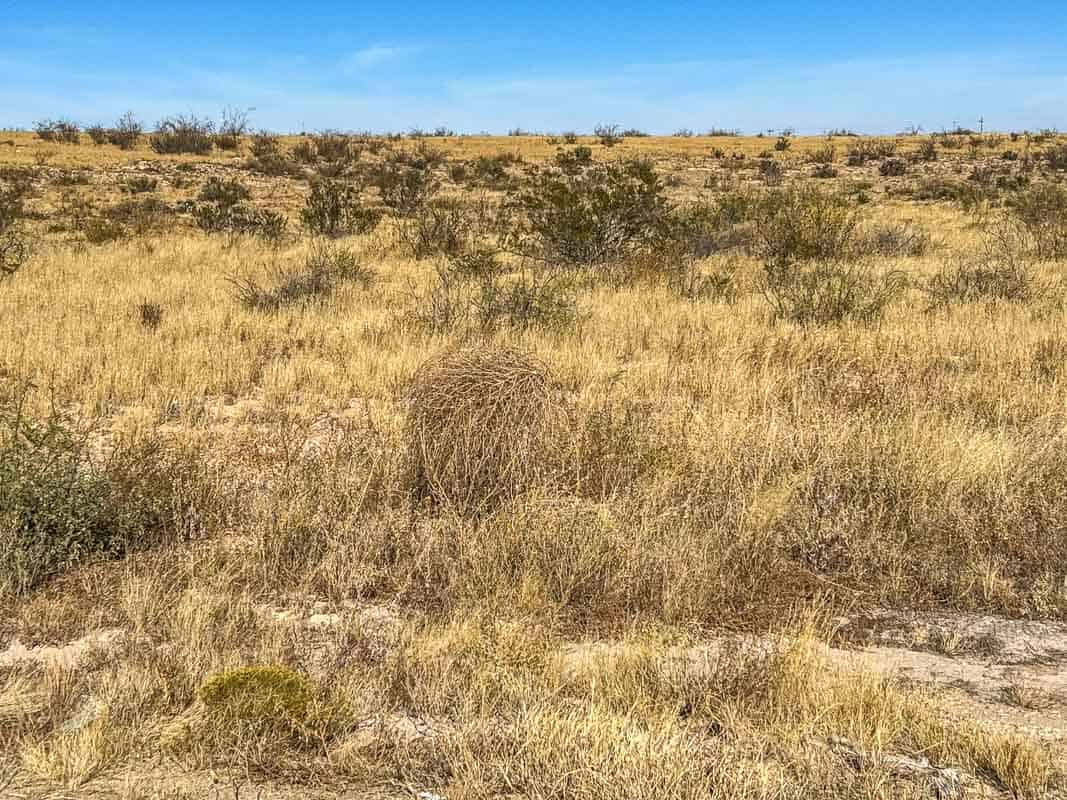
405, 188
226, 192
335, 208
260, 695
1042, 211
323, 270
828, 292
61, 131
61, 505
804, 223
241, 219
606, 212
441, 227
183, 134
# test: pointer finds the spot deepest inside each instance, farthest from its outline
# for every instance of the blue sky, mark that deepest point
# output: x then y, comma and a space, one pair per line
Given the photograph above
874, 67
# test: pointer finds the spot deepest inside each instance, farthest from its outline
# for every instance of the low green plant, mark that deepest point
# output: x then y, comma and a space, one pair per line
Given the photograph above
324, 269
605, 212
62, 503
224, 191
805, 223
183, 134
259, 695
829, 292
336, 208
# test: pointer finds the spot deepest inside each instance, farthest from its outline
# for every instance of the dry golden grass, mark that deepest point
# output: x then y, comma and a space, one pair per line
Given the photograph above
619, 619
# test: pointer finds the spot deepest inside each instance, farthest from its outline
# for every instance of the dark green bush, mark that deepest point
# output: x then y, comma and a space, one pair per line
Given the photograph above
335, 208
606, 212
804, 223
324, 269
61, 131
61, 505
183, 134
226, 192
828, 292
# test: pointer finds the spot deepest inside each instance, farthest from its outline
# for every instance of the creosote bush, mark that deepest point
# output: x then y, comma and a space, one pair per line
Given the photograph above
480, 427
60, 131
60, 504
336, 208
440, 227
224, 191
804, 223
183, 134
829, 292
605, 212
324, 269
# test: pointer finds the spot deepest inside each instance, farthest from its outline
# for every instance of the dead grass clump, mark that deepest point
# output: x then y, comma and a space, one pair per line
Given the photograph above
480, 427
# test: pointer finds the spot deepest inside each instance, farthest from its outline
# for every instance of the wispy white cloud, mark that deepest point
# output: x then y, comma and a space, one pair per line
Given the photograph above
376, 55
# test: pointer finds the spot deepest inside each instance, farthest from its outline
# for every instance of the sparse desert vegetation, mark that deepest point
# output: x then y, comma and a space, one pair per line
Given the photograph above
341, 465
